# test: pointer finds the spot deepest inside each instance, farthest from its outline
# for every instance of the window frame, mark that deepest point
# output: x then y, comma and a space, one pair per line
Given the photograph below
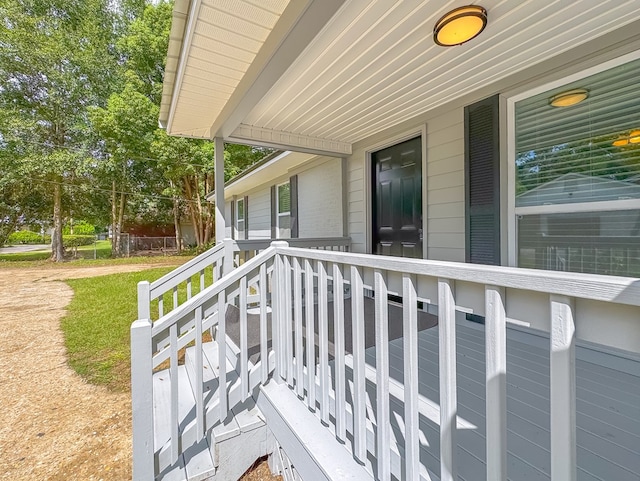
241, 231
282, 214
513, 212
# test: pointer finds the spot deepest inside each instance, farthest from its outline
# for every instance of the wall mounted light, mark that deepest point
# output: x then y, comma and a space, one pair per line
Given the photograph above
460, 25
569, 98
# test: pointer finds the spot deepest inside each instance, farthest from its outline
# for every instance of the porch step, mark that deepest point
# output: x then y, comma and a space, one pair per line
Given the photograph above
230, 447
311, 448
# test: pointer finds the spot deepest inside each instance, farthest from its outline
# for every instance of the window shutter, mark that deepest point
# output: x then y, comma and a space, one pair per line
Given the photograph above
246, 216
293, 193
482, 182
274, 213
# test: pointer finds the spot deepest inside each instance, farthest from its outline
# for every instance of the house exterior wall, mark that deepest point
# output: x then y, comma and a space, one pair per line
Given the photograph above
320, 200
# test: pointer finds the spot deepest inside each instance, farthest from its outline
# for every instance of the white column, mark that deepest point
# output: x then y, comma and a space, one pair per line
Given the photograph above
219, 187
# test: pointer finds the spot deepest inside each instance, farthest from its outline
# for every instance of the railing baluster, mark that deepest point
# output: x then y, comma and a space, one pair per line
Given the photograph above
383, 430
221, 338
173, 375
189, 288
359, 380
175, 297
160, 306
279, 318
448, 379
288, 321
323, 341
244, 345
563, 389
338, 344
297, 312
264, 355
410, 346
199, 375
496, 383
311, 345
202, 280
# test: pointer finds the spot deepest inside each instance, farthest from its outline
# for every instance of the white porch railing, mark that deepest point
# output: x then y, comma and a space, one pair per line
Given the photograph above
284, 277
157, 298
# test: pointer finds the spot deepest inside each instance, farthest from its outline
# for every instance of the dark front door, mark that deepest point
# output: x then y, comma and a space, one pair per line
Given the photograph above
397, 200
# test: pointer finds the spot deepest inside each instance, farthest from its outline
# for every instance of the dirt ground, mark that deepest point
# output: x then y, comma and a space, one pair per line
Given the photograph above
53, 425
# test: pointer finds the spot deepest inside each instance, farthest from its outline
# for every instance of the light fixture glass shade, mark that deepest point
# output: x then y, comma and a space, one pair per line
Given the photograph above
620, 141
634, 137
460, 25
569, 98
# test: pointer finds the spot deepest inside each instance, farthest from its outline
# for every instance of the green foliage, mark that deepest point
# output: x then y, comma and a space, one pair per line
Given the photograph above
77, 240
80, 228
26, 237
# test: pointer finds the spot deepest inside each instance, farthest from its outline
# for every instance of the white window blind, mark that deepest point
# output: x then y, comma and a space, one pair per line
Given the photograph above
578, 177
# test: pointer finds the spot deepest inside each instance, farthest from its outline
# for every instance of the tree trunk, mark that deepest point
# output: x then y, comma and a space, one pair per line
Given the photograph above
123, 199
57, 247
176, 220
197, 222
115, 235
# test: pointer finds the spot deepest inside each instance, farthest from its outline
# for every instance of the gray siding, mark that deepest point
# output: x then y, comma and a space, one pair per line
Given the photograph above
320, 200
259, 210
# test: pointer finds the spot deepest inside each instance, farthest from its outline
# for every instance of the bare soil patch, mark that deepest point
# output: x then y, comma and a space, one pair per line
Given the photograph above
53, 425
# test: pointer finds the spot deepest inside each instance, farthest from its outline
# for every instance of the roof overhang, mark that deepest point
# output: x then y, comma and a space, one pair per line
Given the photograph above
274, 166
316, 76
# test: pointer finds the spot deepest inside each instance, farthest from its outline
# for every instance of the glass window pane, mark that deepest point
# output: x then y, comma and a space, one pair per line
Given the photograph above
586, 152
284, 198
284, 226
593, 242
240, 209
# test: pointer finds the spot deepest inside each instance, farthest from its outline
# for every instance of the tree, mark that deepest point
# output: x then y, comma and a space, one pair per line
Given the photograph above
46, 91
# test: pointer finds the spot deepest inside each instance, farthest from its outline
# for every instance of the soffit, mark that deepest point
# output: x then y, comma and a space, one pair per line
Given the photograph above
219, 40
277, 167
375, 64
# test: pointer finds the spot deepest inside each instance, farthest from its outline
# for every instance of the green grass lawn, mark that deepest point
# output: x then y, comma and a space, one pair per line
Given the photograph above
100, 250
96, 328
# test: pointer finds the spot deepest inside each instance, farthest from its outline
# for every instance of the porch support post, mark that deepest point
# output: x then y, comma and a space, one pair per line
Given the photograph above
563, 388
142, 400
218, 145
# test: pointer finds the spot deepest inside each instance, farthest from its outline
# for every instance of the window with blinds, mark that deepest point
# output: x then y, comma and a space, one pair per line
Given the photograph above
283, 217
240, 220
578, 175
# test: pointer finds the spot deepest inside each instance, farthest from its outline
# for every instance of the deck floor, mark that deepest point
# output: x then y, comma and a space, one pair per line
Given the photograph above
608, 408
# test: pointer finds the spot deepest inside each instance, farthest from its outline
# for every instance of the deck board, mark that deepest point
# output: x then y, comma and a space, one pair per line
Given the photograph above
607, 417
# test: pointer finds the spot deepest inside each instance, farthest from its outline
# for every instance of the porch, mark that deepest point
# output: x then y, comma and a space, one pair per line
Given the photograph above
456, 401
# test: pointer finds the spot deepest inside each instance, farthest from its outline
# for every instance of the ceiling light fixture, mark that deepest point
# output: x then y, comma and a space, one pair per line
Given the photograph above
569, 98
460, 25
634, 137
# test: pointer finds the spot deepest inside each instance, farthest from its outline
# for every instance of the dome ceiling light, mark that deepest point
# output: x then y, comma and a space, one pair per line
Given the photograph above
460, 25
569, 98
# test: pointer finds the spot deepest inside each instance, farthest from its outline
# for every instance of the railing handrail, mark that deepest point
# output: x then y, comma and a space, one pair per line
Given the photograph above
255, 244
188, 269
621, 290
199, 299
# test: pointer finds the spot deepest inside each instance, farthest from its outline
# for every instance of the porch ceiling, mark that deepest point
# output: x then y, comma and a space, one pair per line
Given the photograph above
371, 65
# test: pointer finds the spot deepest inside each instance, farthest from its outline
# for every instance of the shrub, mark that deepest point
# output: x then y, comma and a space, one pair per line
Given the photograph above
77, 240
79, 228
25, 237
